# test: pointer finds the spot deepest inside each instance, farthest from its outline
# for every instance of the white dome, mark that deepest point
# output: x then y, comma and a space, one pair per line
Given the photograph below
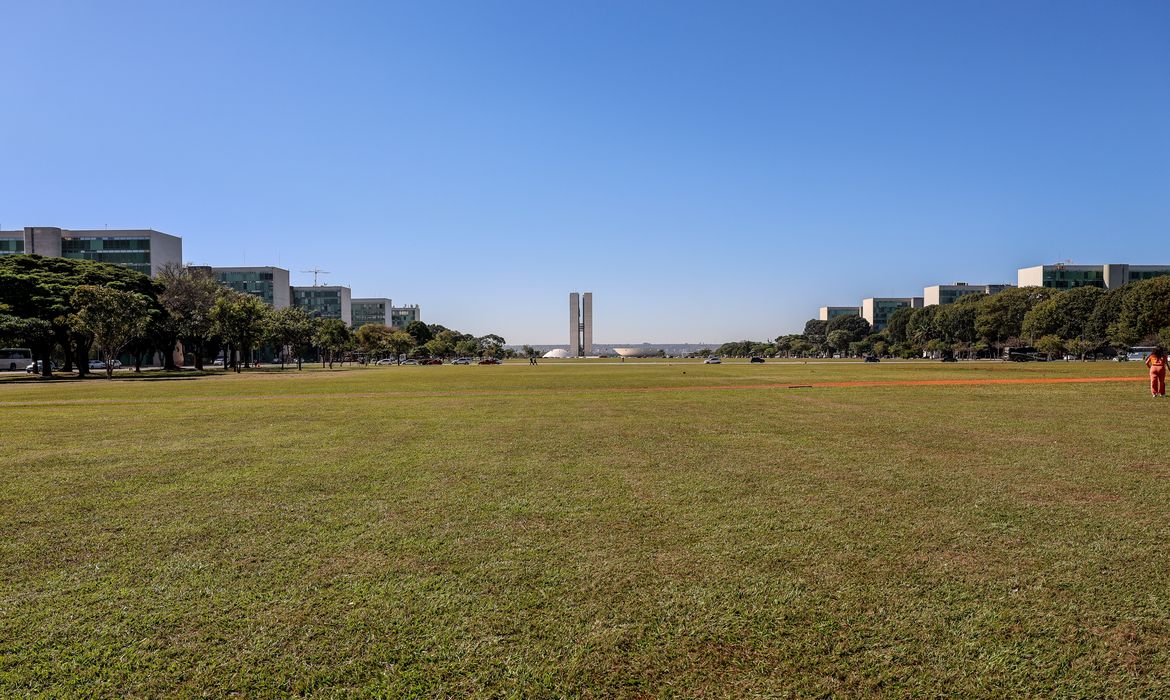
559, 352
639, 351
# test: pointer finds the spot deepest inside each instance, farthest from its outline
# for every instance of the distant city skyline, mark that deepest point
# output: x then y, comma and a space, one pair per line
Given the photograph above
710, 172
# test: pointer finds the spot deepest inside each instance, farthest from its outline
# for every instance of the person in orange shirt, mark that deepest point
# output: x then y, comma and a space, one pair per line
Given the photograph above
1157, 364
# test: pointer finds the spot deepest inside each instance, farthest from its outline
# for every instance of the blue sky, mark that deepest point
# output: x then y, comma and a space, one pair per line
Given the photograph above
710, 171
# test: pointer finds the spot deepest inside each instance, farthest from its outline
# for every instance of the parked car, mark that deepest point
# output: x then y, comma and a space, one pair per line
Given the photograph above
949, 358
97, 364
756, 361
461, 361
385, 361
410, 362
712, 361
490, 361
35, 368
432, 361
871, 358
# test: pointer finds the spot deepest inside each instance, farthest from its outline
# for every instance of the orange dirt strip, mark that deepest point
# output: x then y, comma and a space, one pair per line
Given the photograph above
523, 391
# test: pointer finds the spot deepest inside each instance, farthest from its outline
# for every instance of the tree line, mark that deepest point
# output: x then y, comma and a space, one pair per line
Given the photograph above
1082, 321
74, 309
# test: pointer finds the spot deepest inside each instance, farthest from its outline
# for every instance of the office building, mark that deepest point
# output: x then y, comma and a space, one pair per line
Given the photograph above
1109, 276
402, 316
143, 250
580, 324
942, 294
371, 310
325, 302
270, 284
877, 310
828, 313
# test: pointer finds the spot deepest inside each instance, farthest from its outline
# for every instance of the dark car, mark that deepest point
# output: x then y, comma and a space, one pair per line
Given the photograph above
871, 358
490, 361
949, 358
757, 360
432, 361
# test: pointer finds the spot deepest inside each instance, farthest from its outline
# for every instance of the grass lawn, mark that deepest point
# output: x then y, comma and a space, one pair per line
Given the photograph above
587, 529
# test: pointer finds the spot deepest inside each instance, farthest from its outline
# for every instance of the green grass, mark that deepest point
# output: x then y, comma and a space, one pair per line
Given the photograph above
570, 530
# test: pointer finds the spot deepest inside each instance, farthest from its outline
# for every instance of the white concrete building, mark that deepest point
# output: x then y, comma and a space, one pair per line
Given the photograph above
268, 283
877, 310
1107, 276
942, 294
144, 250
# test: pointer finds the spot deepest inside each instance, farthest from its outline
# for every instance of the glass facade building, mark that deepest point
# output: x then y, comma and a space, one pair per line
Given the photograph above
828, 313
270, 284
324, 302
1108, 276
942, 294
145, 251
877, 310
371, 311
401, 316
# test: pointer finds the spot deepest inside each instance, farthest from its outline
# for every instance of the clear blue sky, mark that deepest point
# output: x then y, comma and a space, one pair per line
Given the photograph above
710, 171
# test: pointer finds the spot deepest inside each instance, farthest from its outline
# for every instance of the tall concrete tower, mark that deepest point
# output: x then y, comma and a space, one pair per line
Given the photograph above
587, 324
574, 324
580, 324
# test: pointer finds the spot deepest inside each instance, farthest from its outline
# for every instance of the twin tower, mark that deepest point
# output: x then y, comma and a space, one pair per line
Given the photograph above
580, 324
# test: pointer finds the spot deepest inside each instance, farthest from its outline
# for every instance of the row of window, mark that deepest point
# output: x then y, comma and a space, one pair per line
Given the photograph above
78, 245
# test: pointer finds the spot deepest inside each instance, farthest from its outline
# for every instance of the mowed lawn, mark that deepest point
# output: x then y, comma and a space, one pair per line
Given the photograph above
587, 529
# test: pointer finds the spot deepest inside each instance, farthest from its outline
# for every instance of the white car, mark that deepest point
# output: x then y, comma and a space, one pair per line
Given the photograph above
385, 361
461, 361
97, 364
712, 361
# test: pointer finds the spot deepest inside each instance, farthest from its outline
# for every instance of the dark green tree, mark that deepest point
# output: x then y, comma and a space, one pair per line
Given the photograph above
33, 286
240, 320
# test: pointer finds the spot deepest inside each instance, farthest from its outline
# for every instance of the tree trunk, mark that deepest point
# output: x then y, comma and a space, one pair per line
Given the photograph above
138, 362
80, 353
197, 348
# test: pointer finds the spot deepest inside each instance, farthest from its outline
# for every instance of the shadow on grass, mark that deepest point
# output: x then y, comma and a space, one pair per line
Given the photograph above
148, 376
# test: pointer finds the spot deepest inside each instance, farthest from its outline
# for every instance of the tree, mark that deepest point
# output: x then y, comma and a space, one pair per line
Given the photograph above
240, 319
1145, 313
34, 333
1103, 323
290, 327
955, 323
896, 324
1051, 344
1001, 317
420, 332
856, 326
439, 346
399, 342
373, 338
491, 345
920, 328
32, 286
333, 337
529, 351
815, 331
189, 294
839, 340
1065, 314
111, 317
467, 347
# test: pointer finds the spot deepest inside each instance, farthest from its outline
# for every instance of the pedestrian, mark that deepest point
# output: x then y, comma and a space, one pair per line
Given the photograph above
1157, 364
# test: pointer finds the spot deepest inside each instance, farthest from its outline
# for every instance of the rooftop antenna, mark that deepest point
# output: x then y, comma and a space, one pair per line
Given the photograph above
316, 271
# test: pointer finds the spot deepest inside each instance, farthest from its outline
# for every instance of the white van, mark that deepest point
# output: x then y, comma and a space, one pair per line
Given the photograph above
15, 358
